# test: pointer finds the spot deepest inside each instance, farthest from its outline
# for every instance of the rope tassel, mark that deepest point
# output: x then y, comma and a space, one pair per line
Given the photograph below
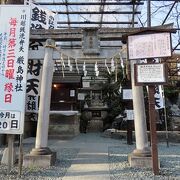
107, 67
77, 68
112, 65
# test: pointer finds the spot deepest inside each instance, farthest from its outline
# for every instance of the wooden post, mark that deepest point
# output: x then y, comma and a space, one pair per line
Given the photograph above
10, 152
129, 132
152, 121
20, 154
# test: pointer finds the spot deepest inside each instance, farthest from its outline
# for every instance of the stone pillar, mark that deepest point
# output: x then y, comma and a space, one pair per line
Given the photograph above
45, 98
41, 155
142, 147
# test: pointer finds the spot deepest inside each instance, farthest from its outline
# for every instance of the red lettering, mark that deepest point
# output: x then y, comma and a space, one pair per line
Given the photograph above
9, 73
8, 98
8, 87
12, 32
13, 22
12, 43
10, 63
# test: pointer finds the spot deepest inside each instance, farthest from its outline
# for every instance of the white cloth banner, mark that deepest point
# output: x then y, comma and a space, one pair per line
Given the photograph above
158, 96
14, 43
34, 76
42, 18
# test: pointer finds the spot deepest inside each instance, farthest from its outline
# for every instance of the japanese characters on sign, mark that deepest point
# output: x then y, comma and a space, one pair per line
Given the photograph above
150, 73
42, 18
34, 75
14, 36
149, 45
158, 96
9, 120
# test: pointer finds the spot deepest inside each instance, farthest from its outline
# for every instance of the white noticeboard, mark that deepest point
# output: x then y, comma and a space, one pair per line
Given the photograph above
81, 96
127, 94
130, 114
72, 93
149, 45
14, 43
150, 73
86, 84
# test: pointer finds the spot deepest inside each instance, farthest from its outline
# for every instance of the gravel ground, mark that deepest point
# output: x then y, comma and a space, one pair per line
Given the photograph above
169, 160
119, 168
56, 172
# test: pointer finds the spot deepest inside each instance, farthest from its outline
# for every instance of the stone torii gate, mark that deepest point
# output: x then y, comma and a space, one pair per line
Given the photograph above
41, 155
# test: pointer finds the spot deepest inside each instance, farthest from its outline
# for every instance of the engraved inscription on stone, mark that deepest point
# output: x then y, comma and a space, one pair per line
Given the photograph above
90, 42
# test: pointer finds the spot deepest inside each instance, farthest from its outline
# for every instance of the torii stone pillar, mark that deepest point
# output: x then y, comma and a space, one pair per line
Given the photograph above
140, 157
45, 97
41, 155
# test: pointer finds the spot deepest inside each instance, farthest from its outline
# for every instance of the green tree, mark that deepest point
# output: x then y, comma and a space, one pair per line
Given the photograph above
112, 96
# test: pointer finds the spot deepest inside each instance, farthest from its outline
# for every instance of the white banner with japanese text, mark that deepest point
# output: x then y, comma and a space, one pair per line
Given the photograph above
42, 18
158, 96
34, 75
14, 43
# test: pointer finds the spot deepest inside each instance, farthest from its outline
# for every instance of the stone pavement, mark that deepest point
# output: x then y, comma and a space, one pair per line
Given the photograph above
91, 163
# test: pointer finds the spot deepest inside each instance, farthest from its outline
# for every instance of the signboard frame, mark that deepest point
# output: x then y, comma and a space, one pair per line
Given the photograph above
163, 82
137, 47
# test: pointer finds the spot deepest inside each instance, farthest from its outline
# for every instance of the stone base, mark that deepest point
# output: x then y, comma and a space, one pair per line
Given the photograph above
139, 162
4, 159
31, 160
145, 152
